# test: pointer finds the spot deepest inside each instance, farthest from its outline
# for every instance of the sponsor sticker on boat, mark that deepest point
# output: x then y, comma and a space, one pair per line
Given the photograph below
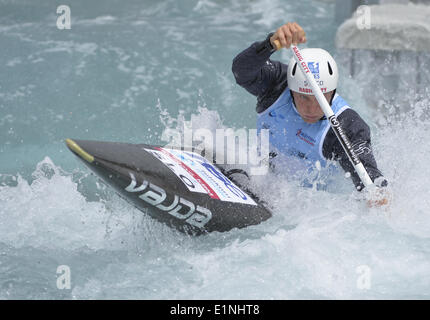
199, 175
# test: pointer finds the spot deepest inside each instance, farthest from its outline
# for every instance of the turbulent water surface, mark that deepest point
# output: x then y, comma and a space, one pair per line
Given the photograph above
127, 71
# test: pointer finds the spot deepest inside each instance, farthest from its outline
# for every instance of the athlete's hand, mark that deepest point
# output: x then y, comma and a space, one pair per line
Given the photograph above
378, 202
381, 197
289, 33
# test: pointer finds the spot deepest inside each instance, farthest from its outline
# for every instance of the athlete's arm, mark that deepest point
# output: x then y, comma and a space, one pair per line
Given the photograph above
254, 71
358, 133
261, 76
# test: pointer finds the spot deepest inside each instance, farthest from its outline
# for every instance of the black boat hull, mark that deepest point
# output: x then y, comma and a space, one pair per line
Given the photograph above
165, 190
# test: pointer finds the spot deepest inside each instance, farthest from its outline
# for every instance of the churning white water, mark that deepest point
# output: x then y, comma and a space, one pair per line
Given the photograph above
112, 78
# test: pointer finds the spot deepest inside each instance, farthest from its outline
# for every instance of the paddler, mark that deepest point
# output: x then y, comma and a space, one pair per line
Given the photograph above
292, 114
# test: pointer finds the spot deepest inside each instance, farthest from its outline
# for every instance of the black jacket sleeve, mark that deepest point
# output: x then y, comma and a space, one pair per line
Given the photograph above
258, 74
358, 133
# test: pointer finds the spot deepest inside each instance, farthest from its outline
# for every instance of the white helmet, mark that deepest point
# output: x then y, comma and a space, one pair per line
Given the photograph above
323, 67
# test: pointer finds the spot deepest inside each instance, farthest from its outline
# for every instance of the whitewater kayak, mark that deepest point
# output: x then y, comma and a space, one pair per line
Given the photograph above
176, 187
